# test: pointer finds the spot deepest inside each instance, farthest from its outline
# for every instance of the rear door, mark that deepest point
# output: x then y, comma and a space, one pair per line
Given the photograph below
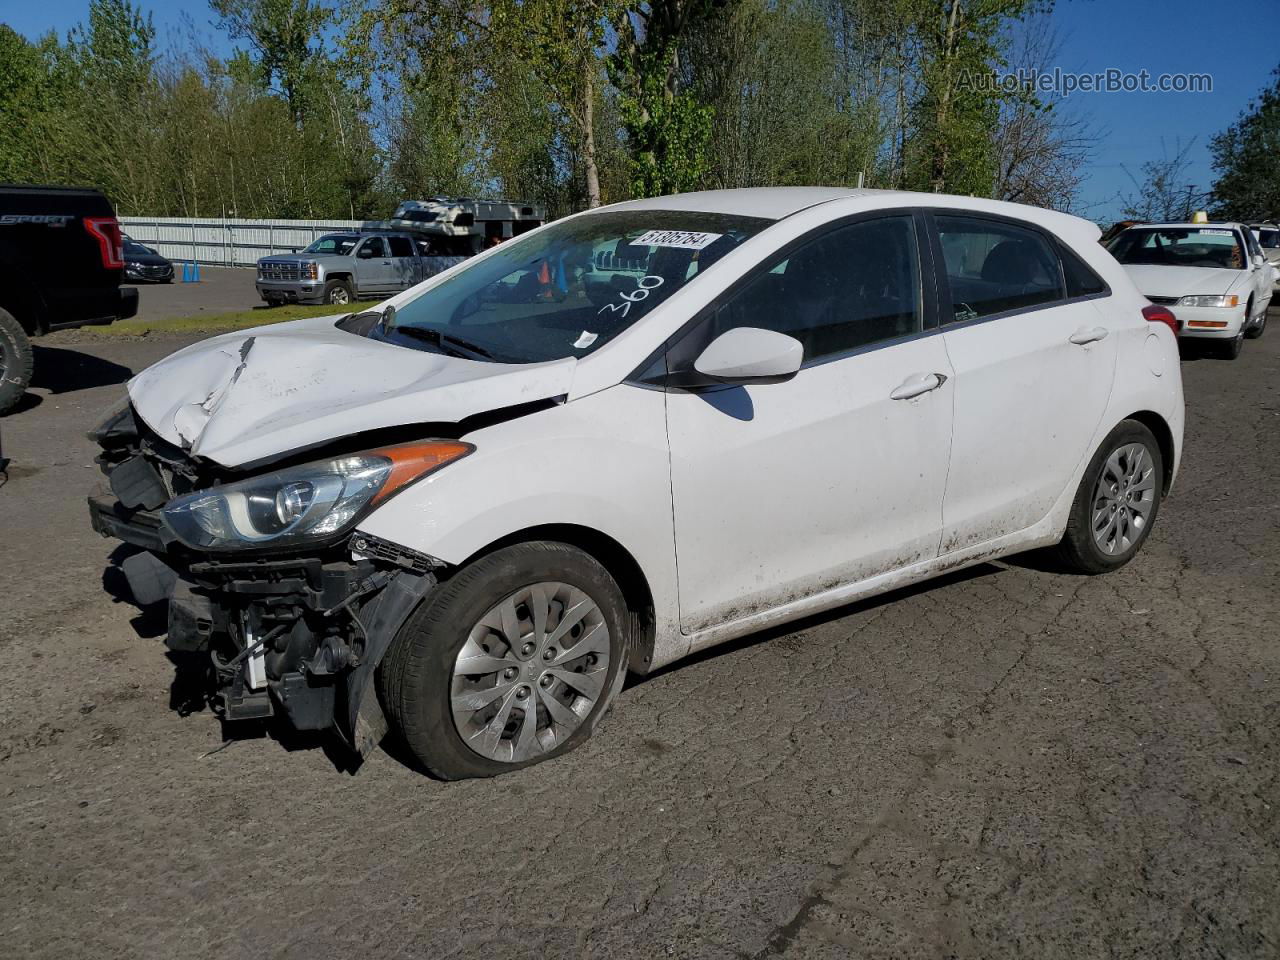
405, 270
1033, 374
783, 491
373, 266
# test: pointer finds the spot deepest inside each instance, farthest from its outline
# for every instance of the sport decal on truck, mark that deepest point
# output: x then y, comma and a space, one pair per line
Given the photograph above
48, 219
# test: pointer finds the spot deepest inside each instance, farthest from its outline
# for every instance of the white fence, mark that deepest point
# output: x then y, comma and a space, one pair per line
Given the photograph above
228, 243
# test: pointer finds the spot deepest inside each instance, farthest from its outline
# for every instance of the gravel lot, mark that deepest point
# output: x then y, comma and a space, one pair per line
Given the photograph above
1005, 763
220, 290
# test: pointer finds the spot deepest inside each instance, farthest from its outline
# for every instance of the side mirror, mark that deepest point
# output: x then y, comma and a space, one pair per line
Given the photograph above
750, 355
366, 253
1259, 260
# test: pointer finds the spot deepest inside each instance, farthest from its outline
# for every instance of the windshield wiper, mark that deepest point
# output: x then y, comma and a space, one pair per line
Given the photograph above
456, 345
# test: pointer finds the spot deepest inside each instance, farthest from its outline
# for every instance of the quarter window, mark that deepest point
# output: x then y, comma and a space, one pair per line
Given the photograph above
996, 267
854, 286
1081, 280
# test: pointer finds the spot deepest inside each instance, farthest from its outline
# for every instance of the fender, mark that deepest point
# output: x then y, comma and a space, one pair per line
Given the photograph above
363, 724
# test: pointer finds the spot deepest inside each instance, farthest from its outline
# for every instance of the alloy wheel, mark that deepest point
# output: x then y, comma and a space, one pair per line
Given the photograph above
338, 295
530, 672
1123, 499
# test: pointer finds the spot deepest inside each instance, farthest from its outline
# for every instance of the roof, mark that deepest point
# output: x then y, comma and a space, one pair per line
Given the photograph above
774, 203
1187, 226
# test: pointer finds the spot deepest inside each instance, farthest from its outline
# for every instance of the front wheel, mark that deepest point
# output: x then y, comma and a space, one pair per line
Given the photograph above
1231, 349
1254, 332
1116, 503
510, 662
338, 292
16, 361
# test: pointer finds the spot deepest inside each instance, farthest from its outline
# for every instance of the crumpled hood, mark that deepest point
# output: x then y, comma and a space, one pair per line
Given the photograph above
251, 395
1156, 281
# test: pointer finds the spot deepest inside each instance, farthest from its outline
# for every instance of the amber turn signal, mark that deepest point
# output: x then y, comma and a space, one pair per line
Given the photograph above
413, 461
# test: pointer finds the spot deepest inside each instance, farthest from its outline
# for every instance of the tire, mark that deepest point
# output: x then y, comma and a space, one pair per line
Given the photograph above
1080, 551
1231, 349
338, 291
1254, 332
430, 703
16, 361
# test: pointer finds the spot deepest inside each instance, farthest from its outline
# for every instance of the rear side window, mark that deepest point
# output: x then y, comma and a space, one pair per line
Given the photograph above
400, 246
995, 267
1081, 280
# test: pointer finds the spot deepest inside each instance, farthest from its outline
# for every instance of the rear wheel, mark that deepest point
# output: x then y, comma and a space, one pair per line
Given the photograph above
512, 661
16, 361
338, 291
1116, 503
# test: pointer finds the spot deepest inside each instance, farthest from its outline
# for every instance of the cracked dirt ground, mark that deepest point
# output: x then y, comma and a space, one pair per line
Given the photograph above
1006, 763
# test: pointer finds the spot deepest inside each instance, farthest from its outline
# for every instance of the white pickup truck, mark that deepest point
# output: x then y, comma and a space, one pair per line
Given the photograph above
344, 267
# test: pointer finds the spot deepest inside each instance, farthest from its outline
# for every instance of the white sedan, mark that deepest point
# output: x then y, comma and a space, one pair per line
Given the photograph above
629, 435
1213, 275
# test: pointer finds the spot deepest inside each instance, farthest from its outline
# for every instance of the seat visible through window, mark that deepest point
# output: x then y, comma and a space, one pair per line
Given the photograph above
994, 267
857, 285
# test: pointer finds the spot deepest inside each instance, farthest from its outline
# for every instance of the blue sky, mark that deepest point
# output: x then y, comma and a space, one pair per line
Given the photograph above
1234, 43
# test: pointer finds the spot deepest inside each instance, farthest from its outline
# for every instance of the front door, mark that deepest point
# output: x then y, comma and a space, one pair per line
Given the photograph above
786, 490
373, 267
1033, 373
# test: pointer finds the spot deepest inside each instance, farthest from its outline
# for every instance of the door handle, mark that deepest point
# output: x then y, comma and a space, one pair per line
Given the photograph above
916, 384
1089, 335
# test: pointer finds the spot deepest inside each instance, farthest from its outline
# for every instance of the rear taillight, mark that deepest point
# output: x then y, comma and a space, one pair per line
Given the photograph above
106, 230
1159, 314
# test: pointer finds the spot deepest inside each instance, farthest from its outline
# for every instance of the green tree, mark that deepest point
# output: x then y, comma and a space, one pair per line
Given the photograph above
1246, 160
286, 38
110, 134
33, 90
667, 128
561, 41
767, 72
955, 117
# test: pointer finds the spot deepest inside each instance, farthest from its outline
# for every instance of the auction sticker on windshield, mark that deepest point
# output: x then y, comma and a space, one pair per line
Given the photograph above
684, 239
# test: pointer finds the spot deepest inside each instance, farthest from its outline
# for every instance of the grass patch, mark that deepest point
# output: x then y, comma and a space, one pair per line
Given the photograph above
221, 322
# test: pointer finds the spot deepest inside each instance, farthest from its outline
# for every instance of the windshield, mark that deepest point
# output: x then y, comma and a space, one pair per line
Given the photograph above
339, 244
1215, 247
132, 246
569, 289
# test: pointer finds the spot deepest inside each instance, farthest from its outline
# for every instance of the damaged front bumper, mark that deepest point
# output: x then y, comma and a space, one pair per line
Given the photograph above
298, 637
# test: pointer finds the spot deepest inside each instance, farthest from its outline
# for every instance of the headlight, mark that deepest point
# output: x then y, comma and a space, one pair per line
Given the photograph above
310, 271
1216, 301
311, 502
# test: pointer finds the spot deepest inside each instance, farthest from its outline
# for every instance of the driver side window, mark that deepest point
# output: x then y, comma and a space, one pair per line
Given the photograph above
850, 287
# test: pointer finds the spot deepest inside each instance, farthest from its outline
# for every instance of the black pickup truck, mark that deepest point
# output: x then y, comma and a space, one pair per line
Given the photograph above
61, 260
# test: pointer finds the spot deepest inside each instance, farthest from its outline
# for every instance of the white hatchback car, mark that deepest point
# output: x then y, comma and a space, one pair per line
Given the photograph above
1214, 275
632, 434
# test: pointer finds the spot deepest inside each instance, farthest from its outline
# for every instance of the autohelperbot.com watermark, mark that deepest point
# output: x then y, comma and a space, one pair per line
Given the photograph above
1064, 83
